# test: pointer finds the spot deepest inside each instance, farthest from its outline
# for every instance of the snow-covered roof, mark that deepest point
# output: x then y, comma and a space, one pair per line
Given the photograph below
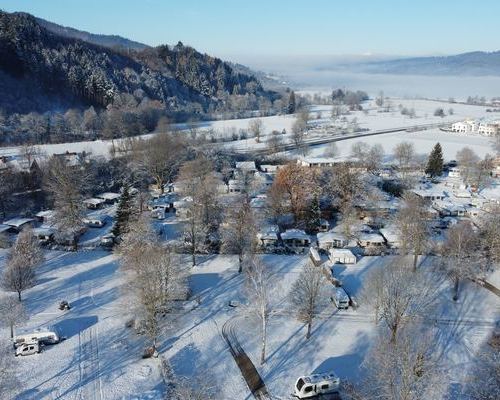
45, 214
371, 237
17, 222
294, 234
43, 231
246, 165
318, 160
317, 378
109, 196
4, 228
330, 236
390, 234
340, 253
429, 193
93, 201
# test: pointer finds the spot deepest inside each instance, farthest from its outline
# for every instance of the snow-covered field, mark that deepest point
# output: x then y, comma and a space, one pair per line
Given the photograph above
100, 358
373, 121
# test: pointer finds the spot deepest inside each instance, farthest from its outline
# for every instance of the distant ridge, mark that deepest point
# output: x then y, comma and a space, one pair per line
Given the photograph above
110, 41
477, 63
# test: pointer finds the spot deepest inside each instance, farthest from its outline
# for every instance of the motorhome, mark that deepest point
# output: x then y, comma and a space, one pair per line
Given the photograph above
316, 385
42, 335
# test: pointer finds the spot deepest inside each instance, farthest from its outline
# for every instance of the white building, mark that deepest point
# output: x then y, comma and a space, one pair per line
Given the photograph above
295, 238
488, 128
467, 126
327, 240
341, 256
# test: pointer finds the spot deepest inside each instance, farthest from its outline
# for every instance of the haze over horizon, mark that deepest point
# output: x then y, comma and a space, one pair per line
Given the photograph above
241, 31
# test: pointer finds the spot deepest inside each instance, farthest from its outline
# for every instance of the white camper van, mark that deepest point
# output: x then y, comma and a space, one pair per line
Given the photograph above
42, 335
340, 298
315, 385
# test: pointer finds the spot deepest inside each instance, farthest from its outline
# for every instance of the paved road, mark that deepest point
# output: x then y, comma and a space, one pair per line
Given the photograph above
338, 138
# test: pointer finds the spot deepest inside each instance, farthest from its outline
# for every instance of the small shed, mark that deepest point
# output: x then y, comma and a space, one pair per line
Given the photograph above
342, 256
93, 203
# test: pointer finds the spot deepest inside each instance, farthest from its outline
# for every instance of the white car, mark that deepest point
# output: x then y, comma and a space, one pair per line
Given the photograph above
28, 348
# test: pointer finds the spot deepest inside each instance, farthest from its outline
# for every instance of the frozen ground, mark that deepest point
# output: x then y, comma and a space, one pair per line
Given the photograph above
373, 120
339, 341
101, 359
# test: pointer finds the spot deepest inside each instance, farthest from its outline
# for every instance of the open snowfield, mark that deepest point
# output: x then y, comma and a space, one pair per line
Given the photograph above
373, 121
101, 359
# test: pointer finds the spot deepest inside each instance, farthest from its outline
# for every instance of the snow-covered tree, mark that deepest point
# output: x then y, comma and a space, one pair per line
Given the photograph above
9, 383
155, 277
67, 183
399, 295
405, 370
20, 270
123, 212
435, 161
305, 294
238, 231
460, 257
260, 289
12, 313
413, 227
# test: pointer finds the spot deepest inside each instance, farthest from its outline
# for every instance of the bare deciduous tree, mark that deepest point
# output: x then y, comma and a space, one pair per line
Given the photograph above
459, 254
467, 160
67, 183
412, 226
404, 153
305, 294
238, 231
260, 286
9, 383
12, 313
406, 370
20, 269
399, 295
155, 277
160, 157
255, 128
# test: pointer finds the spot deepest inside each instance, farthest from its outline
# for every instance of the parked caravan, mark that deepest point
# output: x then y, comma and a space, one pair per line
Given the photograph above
316, 385
42, 335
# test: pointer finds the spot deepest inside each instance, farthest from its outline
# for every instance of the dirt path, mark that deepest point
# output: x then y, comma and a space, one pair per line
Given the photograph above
250, 374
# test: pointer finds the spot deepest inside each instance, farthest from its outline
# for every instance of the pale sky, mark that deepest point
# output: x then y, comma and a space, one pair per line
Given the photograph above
285, 27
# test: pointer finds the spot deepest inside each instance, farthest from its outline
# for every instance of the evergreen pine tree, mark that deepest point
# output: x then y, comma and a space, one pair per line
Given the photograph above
291, 103
435, 162
314, 220
123, 212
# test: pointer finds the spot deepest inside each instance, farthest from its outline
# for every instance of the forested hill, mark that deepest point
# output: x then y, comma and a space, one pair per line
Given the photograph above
43, 71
